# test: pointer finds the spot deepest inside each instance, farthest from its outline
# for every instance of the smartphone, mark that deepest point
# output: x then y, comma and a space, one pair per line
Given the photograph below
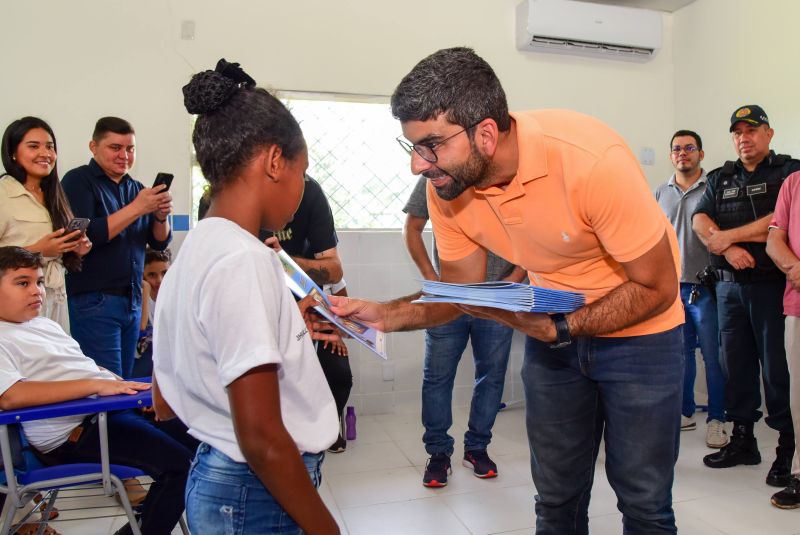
163, 178
77, 223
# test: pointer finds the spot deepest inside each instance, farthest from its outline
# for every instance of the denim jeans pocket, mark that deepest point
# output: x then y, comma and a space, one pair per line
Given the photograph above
88, 302
313, 462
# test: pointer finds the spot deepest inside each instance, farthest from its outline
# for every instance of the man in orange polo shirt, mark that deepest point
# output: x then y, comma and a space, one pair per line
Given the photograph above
561, 195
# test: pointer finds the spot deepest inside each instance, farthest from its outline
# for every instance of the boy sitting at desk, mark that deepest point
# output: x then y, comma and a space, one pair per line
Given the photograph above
40, 364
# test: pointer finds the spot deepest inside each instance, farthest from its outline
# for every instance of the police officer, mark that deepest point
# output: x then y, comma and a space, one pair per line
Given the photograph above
731, 220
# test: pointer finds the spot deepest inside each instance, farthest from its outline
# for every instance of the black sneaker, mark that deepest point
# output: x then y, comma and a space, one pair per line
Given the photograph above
482, 466
125, 530
436, 470
339, 446
780, 473
742, 449
788, 498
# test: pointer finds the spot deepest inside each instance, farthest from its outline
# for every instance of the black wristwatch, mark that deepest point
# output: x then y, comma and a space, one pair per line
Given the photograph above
563, 337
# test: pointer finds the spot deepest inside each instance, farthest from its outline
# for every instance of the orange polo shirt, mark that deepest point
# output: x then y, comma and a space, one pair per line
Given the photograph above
578, 206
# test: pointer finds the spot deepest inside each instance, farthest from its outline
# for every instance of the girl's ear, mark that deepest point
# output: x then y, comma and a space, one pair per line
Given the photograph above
273, 162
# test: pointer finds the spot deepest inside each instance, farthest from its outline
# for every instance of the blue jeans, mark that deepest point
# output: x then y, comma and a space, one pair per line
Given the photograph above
491, 343
224, 497
107, 328
751, 324
628, 389
701, 326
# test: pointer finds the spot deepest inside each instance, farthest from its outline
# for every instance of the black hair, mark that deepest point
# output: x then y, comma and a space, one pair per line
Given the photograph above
236, 119
456, 82
13, 257
154, 255
695, 135
55, 201
204, 203
114, 125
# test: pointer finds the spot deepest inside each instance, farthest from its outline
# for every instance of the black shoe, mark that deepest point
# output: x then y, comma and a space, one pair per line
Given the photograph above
742, 449
436, 471
482, 466
124, 530
780, 474
339, 446
788, 498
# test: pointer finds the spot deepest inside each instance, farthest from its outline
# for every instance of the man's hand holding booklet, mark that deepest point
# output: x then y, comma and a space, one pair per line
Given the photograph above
302, 287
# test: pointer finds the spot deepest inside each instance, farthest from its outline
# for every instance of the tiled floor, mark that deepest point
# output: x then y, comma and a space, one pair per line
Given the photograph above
375, 488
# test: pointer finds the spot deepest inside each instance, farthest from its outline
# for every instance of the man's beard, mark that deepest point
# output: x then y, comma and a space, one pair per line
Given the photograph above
473, 172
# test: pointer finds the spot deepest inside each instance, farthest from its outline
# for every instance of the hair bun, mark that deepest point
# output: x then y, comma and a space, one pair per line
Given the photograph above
208, 90
234, 72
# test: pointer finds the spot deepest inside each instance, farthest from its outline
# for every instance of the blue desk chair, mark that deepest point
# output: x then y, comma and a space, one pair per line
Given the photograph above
22, 485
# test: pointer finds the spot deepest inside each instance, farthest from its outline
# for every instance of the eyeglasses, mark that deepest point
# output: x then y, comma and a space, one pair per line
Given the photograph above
688, 148
427, 151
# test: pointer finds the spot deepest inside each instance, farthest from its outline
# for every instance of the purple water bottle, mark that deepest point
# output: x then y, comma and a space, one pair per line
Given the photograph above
350, 423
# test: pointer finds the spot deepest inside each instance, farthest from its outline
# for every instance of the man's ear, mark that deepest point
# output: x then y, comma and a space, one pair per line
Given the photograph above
487, 136
93, 146
273, 162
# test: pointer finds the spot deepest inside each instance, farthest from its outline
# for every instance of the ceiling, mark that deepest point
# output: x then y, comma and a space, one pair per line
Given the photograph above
659, 5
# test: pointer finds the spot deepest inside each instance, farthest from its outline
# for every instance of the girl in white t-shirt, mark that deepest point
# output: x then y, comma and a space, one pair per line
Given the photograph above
233, 356
34, 211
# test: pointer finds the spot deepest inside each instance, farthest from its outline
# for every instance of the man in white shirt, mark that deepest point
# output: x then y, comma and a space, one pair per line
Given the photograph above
40, 364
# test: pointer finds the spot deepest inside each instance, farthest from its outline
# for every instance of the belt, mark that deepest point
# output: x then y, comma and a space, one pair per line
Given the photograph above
52, 457
121, 292
744, 277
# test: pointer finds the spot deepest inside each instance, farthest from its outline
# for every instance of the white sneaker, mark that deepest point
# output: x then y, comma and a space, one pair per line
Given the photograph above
716, 437
688, 423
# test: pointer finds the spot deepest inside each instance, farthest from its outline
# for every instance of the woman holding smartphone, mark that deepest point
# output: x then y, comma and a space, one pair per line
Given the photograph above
34, 213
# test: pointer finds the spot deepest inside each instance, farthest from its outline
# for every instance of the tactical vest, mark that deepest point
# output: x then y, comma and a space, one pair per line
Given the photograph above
739, 201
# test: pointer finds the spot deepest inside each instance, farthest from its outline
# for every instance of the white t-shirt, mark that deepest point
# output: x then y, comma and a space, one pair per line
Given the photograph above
40, 350
224, 309
151, 310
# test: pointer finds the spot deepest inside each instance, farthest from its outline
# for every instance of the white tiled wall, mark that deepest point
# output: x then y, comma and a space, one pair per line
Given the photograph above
378, 267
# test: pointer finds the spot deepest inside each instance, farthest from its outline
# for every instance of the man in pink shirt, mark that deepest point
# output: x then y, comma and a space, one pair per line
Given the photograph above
783, 246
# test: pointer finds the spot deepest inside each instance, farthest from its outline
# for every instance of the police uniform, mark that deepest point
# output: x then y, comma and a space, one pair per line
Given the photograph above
749, 301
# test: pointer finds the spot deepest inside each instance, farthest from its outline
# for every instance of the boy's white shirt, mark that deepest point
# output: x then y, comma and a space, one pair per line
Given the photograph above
40, 350
224, 309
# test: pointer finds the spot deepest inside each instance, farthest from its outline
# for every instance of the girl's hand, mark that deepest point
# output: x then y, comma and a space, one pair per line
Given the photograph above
56, 243
337, 347
84, 246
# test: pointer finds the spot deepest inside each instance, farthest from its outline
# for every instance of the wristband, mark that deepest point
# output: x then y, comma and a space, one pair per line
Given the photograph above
563, 337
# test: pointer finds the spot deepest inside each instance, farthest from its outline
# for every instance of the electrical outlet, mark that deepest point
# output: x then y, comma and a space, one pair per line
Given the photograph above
647, 156
187, 30
388, 371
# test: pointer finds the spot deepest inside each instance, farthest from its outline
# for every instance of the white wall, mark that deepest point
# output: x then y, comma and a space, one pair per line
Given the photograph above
72, 62
728, 53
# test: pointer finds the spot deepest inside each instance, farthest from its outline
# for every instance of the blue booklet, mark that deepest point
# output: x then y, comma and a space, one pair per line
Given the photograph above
511, 296
301, 285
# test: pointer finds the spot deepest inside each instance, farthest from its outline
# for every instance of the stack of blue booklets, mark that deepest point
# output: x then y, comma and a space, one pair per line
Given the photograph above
511, 296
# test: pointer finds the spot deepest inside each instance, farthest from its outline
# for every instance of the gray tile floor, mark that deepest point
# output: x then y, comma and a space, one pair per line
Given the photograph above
375, 488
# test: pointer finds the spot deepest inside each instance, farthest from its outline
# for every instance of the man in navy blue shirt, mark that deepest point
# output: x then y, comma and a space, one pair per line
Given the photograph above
105, 296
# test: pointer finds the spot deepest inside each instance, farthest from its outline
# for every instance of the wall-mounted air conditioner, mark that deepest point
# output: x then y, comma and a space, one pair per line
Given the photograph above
587, 29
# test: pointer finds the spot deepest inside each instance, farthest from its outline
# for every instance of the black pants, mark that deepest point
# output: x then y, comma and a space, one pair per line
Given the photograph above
751, 325
163, 450
337, 372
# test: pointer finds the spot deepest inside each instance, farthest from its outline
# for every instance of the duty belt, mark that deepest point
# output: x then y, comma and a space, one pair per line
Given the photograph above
744, 277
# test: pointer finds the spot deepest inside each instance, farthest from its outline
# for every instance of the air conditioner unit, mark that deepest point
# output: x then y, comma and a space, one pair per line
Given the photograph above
587, 29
